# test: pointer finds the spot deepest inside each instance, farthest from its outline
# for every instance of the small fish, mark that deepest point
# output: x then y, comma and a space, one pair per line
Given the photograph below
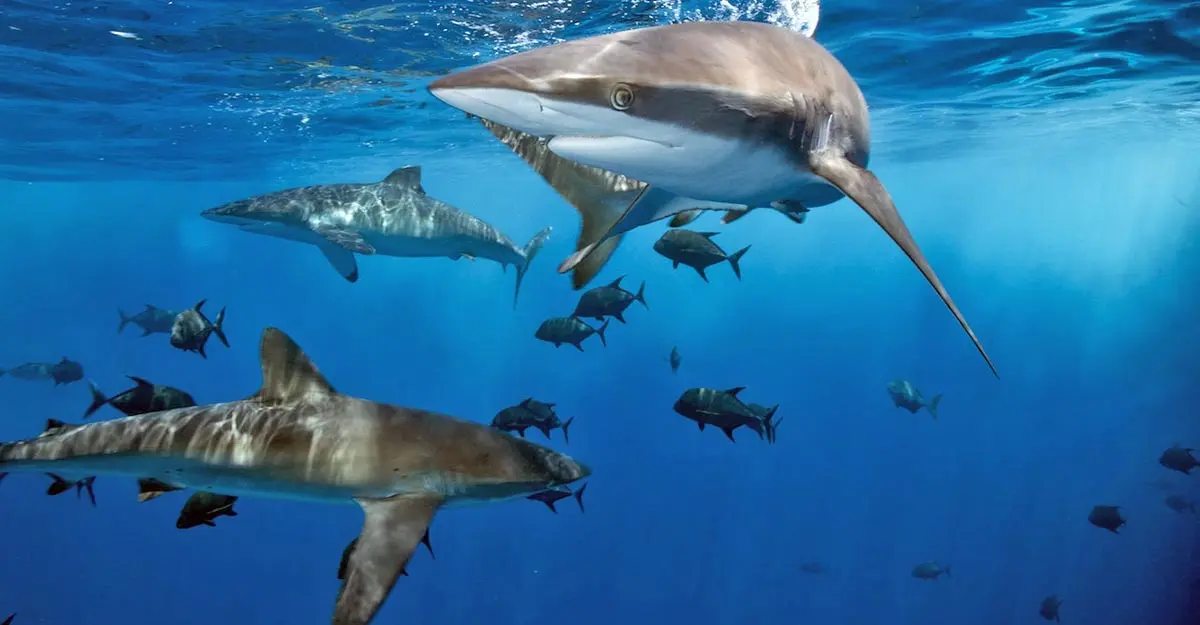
531, 413
1049, 608
1178, 503
554, 495
905, 395
1107, 517
569, 330
143, 398
30, 371
203, 508
66, 371
930, 570
725, 411
609, 301
696, 250
59, 484
675, 359
1179, 458
151, 320
149, 488
191, 329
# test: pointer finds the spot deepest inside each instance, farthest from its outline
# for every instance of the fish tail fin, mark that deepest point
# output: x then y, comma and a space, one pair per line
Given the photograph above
946, 570
579, 497
86, 484
565, 427
57, 485
771, 425
2, 476
218, 329
600, 333
733, 261
641, 295
125, 319
530, 250
98, 399
933, 405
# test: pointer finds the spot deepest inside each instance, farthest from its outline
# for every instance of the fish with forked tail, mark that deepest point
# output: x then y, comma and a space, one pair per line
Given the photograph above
191, 329
152, 320
298, 438
569, 330
1049, 608
930, 570
675, 359
905, 395
725, 411
696, 250
554, 495
636, 126
531, 413
1179, 458
609, 300
393, 217
142, 398
1106, 517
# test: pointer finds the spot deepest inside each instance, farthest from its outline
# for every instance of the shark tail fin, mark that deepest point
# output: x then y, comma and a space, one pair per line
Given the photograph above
579, 497
641, 295
125, 319
733, 261
98, 399
933, 405
565, 427
528, 253
600, 333
218, 329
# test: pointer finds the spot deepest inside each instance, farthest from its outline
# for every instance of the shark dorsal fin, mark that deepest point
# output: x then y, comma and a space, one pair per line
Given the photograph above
287, 372
408, 176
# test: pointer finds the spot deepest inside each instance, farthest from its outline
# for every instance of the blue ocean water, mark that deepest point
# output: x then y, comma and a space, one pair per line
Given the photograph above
1043, 153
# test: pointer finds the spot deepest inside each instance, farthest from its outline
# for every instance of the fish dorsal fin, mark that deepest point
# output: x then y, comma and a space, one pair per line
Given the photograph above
54, 424
199, 305
525, 402
600, 197
408, 177
150, 307
708, 235
288, 374
141, 382
616, 284
735, 390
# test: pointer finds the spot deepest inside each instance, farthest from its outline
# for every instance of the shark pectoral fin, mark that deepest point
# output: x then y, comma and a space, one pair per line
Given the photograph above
391, 531
342, 260
346, 238
684, 218
600, 197
861, 186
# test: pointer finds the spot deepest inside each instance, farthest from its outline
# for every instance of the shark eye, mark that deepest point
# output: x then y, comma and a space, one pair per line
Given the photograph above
621, 97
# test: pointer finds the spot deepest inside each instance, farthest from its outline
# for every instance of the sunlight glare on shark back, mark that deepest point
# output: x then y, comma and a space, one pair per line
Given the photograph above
297, 437
658, 121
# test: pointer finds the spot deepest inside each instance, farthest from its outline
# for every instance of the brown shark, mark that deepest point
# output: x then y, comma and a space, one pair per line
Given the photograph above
298, 438
641, 125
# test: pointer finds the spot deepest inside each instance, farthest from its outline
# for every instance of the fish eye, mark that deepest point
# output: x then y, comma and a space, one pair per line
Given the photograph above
621, 97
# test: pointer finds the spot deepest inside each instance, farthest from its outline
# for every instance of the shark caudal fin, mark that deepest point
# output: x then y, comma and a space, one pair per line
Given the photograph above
98, 399
861, 186
527, 254
125, 319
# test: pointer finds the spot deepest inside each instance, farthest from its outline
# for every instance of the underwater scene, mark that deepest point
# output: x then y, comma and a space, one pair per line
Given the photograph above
729, 312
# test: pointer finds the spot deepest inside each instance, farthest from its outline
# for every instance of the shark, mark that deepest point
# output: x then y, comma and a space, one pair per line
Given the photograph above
641, 125
298, 438
393, 217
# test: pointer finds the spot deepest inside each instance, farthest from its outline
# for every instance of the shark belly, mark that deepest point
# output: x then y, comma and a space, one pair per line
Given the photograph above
703, 166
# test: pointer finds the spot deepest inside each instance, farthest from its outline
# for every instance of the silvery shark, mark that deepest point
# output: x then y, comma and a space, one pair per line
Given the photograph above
394, 217
298, 438
640, 125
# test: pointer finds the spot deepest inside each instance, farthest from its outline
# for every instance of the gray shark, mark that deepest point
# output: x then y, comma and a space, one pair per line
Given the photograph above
640, 125
394, 217
298, 438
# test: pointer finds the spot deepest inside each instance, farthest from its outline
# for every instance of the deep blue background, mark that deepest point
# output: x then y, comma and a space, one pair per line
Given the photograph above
1065, 231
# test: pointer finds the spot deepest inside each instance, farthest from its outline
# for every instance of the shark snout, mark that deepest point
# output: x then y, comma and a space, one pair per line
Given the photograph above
565, 469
